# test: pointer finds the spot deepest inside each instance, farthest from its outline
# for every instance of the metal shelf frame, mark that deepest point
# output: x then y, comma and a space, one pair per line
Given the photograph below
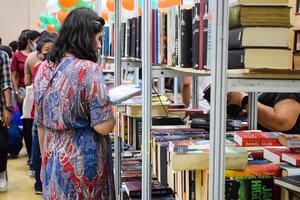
222, 82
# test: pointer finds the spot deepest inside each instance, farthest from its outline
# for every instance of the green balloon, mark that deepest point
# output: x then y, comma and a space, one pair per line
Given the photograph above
154, 4
57, 26
113, 17
43, 26
51, 19
85, 4
43, 17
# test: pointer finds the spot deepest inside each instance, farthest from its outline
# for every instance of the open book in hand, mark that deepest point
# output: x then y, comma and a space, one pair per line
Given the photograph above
122, 93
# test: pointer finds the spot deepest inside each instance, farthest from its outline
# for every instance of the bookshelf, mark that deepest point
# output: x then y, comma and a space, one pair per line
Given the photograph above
252, 81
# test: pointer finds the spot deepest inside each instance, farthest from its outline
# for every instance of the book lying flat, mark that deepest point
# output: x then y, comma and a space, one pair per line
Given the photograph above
289, 182
258, 2
122, 93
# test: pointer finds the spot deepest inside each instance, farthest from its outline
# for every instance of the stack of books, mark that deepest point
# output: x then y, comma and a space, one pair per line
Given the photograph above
259, 35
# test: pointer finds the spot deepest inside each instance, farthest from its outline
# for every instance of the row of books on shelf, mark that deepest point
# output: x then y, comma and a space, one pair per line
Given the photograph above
263, 34
180, 167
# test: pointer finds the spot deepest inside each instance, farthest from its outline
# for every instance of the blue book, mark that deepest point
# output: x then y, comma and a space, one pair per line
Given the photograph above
106, 41
156, 39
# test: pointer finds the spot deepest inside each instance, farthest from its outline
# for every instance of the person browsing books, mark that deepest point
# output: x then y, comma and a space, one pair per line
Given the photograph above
275, 111
74, 115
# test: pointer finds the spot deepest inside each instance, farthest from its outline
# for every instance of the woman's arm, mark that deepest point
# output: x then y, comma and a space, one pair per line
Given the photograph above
106, 127
282, 117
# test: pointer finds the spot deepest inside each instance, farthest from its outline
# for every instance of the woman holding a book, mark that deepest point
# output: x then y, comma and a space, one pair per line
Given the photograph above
73, 114
275, 111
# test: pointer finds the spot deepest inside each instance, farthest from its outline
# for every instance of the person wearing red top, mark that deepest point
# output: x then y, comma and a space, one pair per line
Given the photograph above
26, 44
33, 62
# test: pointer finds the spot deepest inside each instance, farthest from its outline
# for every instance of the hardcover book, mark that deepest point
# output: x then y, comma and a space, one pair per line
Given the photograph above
275, 154
277, 16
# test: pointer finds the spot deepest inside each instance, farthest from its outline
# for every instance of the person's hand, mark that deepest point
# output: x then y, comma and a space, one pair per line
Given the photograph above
19, 99
6, 118
235, 98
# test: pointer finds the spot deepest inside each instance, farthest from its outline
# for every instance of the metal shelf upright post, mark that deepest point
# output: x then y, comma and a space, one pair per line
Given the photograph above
146, 87
218, 57
118, 77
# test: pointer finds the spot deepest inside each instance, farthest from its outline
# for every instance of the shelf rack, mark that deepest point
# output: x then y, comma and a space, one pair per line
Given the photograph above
223, 80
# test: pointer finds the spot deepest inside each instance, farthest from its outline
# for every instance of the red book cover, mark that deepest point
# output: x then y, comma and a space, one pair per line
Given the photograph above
292, 158
201, 34
275, 154
153, 40
256, 154
256, 138
290, 141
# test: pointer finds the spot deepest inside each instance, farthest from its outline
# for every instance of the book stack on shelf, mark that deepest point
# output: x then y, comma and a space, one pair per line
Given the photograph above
259, 35
295, 21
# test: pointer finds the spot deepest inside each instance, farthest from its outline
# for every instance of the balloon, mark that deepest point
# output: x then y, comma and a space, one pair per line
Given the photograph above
38, 24
176, 2
113, 17
43, 26
61, 15
52, 6
104, 14
57, 26
163, 3
85, 4
128, 4
68, 3
50, 28
154, 4
48, 18
110, 4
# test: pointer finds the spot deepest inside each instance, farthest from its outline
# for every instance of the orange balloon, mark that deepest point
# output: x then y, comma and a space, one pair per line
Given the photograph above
38, 24
176, 2
68, 3
163, 3
128, 4
104, 14
140, 12
50, 28
110, 5
61, 15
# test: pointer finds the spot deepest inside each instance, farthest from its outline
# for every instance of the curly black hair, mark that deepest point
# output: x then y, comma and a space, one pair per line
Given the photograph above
77, 35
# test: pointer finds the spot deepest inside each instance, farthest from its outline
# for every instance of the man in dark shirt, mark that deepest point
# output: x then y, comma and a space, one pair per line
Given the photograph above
275, 111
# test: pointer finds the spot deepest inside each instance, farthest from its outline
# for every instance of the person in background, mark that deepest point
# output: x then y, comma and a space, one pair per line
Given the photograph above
6, 110
44, 45
7, 50
14, 46
26, 44
275, 111
73, 114
0, 41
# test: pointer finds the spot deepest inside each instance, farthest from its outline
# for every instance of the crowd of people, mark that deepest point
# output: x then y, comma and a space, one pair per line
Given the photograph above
52, 82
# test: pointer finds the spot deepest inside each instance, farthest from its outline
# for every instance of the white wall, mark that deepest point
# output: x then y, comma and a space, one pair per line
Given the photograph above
16, 15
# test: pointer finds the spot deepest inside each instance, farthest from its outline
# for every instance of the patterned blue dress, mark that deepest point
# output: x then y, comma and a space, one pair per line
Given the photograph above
77, 162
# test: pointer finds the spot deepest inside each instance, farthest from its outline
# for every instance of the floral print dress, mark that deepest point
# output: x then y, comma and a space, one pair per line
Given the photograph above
77, 162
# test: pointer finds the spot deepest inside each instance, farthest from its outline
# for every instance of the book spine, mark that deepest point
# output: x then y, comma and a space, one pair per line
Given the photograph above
196, 35
139, 37
236, 59
234, 17
159, 43
128, 39
186, 38
235, 38
156, 35
165, 40
122, 39
153, 36
133, 37
208, 39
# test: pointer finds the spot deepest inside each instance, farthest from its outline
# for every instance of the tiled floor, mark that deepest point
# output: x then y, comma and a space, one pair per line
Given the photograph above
20, 184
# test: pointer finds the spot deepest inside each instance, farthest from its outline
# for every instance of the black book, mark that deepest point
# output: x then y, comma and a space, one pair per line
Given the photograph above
235, 38
133, 37
122, 38
165, 39
236, 59
195, 45
205, 34
128, 38
249, 188
138, 38
186, 38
